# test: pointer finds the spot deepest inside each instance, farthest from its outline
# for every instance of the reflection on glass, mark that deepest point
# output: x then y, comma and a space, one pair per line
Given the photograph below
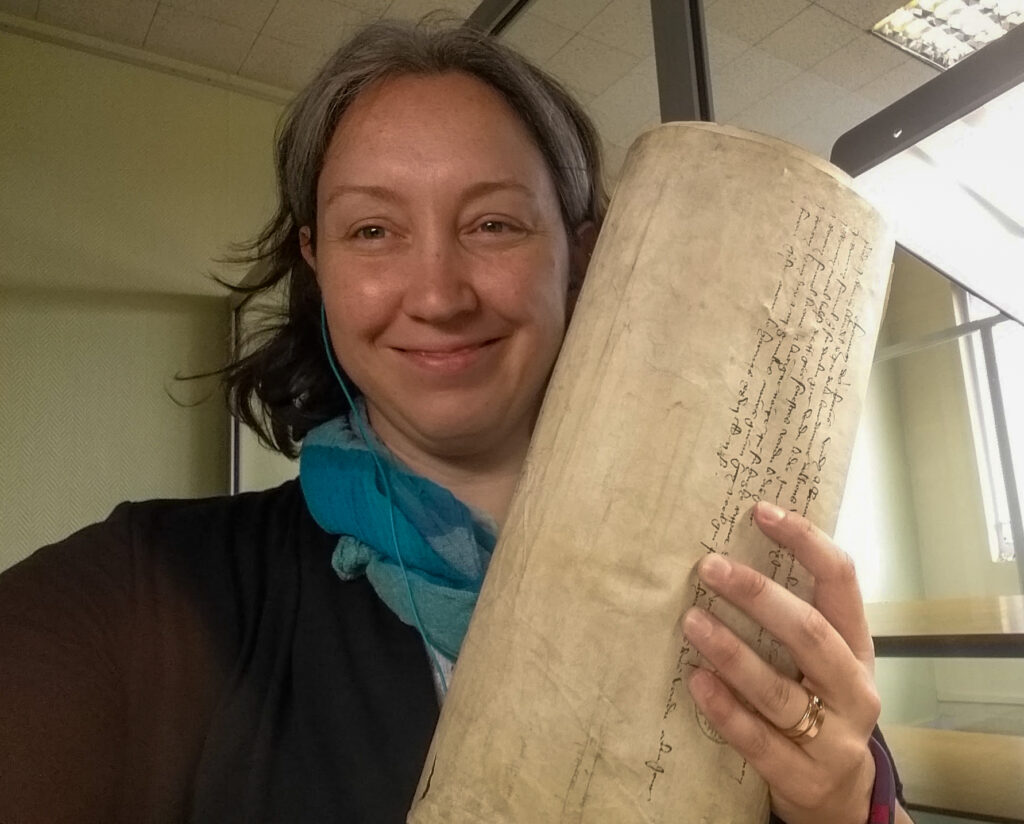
918, 513
603, 52
956, 200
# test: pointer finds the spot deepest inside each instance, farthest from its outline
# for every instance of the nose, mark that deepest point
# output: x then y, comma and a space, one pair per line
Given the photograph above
439, 285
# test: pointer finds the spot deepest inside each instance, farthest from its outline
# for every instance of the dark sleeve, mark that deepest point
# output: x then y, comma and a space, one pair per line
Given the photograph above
877, 735
63, 618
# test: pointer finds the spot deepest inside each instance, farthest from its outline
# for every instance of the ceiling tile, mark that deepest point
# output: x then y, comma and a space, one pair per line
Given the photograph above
847, 111
244, 14
753, 20
417, 9
820, 131
613, 156
861, 61
316, 24
20, 8
534, 37
570, 14
796, 100
590, 66
809, 37
626, 25
862, 13
374, 8
187, 36
120, 21
750, 77
280, 64
812, 135
628, 105
893, 85
723, 48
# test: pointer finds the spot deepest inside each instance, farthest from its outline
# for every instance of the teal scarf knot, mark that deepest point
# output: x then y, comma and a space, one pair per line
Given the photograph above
443, 544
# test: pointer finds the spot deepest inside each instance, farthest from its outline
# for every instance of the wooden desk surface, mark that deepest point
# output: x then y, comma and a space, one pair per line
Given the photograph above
968, 627
965, 773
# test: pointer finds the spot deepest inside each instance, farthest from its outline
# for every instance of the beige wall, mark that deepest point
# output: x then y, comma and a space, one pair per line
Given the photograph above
120, 186
120, 177
87, 395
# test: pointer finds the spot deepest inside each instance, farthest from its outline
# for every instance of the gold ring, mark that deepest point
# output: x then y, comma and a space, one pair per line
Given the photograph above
810, 723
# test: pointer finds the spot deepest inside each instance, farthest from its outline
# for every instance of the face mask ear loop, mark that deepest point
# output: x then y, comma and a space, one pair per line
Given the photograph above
387, 491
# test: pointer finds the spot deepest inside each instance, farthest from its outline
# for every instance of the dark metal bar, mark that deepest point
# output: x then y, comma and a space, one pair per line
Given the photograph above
491, 16
1005, 455
950, 646
681, 56
984, 75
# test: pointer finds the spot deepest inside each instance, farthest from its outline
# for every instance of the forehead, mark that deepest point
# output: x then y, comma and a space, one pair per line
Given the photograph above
433, 124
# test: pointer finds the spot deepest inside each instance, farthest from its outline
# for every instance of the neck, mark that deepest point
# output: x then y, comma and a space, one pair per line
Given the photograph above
484, 480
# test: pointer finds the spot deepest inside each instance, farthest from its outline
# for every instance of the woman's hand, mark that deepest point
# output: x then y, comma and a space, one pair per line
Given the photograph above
813, 779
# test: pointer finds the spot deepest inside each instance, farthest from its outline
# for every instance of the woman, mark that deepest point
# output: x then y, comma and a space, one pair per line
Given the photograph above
200, 661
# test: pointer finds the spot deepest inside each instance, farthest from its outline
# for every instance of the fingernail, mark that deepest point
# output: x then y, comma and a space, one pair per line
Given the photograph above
714, 568
701, 684
696, 624
770, 513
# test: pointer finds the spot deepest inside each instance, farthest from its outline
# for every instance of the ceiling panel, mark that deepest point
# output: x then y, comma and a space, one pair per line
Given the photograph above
753, 20
245, 14
184, 35
796, 69
809, 37
120, 21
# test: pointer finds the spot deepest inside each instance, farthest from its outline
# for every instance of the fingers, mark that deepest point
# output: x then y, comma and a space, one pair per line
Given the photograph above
773, 756
836, 591
803, 788
818, 649
779, 699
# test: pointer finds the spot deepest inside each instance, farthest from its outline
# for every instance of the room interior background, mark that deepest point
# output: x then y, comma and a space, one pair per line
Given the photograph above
126, 174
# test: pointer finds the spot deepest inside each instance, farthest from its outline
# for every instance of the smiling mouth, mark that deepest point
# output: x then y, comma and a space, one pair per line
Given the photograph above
448, 360
453, 351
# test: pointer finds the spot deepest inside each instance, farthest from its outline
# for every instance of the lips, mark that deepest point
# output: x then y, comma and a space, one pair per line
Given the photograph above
447, 358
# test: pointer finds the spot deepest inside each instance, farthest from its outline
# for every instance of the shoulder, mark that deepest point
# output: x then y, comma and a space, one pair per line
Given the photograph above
208, 548
197, 527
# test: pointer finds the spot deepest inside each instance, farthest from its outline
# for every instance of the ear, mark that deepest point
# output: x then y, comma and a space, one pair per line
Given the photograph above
581, 247
306, 247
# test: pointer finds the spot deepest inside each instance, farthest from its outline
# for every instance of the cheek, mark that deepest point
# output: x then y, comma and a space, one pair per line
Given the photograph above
357, 302
539, 287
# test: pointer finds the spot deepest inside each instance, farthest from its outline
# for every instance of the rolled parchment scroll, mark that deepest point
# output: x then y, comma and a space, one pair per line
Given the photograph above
719, 354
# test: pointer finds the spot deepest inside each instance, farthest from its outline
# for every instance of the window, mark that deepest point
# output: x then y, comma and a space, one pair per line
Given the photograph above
993, 360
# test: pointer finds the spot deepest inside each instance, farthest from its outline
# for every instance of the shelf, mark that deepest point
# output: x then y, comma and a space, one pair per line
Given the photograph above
960, 773
982, 627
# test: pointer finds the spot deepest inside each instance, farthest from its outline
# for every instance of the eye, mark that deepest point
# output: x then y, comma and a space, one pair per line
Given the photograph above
370, 233
501, 227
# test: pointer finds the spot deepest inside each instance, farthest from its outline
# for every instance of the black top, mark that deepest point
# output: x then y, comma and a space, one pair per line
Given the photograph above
199, 661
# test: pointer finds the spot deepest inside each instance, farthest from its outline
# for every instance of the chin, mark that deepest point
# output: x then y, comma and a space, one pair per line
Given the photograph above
456, 430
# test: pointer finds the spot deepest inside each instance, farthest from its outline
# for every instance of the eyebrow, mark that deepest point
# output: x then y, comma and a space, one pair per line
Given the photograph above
480, 189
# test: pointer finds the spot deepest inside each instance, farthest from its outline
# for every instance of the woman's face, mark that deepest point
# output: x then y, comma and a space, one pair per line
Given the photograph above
444, 264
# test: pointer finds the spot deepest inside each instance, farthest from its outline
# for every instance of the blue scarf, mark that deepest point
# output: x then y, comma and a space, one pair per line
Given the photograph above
445, 546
